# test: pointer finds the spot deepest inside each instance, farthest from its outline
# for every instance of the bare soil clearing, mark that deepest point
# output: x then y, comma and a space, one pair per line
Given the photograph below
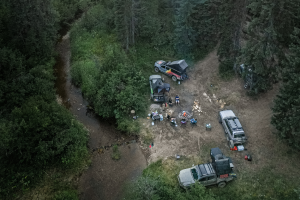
255, 115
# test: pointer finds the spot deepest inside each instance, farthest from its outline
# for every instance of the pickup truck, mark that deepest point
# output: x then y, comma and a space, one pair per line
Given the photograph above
233, 129
219, 172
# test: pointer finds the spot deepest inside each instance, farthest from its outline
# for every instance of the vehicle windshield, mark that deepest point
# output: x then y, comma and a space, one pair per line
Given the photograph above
194, 173
239, 135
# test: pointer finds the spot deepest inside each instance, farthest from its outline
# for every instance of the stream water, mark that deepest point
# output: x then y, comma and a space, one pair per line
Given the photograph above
105, 178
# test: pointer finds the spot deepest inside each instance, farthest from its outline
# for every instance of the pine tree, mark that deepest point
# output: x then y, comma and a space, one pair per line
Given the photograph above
287, 104
32, 28
125, 20
264, 51
185, 35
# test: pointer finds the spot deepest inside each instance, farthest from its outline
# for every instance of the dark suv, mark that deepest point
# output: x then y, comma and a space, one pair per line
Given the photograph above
158, 88
175, 69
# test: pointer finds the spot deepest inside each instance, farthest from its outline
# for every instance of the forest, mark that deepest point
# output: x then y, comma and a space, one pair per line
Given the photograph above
112, 46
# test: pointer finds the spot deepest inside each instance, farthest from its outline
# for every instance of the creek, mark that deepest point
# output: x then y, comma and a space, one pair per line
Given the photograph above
105, 178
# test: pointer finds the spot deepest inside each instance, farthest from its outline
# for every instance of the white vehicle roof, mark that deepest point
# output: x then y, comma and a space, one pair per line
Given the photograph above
154, 77
227, 113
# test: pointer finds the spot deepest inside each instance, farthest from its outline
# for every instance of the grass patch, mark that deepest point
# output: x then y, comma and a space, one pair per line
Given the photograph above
147, 137
66, 195
116, 155
263, 184
159, 181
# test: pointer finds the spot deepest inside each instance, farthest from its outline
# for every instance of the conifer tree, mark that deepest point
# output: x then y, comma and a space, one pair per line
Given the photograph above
269, 26
287, 104
32, 27
185, 35
125, 20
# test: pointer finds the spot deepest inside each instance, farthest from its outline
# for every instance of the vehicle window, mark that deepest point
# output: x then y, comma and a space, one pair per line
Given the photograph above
210, 178
163, 66
203, 179
194, 173
167, 68
239, 135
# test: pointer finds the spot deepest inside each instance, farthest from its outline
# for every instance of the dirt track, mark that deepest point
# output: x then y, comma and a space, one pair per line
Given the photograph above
254, 114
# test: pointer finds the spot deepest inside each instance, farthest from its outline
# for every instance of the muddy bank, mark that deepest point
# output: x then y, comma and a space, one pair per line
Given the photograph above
105, 178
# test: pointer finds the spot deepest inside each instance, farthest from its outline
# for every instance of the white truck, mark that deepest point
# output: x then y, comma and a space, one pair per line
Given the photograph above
233, 129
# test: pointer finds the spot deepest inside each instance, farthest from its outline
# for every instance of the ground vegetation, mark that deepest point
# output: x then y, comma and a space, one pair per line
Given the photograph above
36, 133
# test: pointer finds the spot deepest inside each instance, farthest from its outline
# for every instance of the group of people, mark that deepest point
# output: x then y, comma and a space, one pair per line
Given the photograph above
173, 120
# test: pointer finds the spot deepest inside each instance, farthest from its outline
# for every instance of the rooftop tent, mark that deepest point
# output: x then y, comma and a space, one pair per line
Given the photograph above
159, 86
222, 166
163, 88
179, 65
216, 154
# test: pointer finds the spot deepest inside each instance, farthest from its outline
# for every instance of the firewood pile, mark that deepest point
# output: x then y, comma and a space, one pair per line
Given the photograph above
197, 107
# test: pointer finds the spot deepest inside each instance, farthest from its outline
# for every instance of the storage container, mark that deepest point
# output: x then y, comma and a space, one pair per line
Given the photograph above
240, 148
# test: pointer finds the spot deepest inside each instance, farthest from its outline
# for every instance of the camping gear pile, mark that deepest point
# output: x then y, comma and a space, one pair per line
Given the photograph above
156, 116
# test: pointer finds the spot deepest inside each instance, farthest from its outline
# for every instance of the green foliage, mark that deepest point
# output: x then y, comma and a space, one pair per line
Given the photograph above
66, 195
185, 35
112, 80
154, 184
116, 155
272, 22
225, 69
206, 24
38, 135
31, 27
286, 108
36, 132
68, 8
259, 184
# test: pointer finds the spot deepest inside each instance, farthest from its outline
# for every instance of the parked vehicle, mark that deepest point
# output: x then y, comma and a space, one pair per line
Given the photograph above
175, 69
218, 172
233, 129
158, 88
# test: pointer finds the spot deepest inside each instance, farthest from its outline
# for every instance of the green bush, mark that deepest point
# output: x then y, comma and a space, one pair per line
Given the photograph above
116, 155
155, 184
226, 69
66, 195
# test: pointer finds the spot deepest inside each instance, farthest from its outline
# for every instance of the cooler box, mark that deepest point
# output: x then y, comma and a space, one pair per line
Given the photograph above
240, 148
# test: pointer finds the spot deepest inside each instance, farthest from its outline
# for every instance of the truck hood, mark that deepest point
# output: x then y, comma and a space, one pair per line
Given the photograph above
185, 177
159, 62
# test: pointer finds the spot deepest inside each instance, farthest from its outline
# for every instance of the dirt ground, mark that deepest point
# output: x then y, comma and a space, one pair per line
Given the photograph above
187, 140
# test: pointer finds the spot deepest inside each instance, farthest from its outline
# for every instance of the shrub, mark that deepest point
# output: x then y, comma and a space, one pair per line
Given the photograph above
116, 153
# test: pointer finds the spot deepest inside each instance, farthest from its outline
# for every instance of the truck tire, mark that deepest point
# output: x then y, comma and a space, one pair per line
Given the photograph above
174, 78
222, 184
156, 69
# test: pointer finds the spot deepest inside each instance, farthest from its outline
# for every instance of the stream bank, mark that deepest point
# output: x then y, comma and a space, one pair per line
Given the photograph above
105, 178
